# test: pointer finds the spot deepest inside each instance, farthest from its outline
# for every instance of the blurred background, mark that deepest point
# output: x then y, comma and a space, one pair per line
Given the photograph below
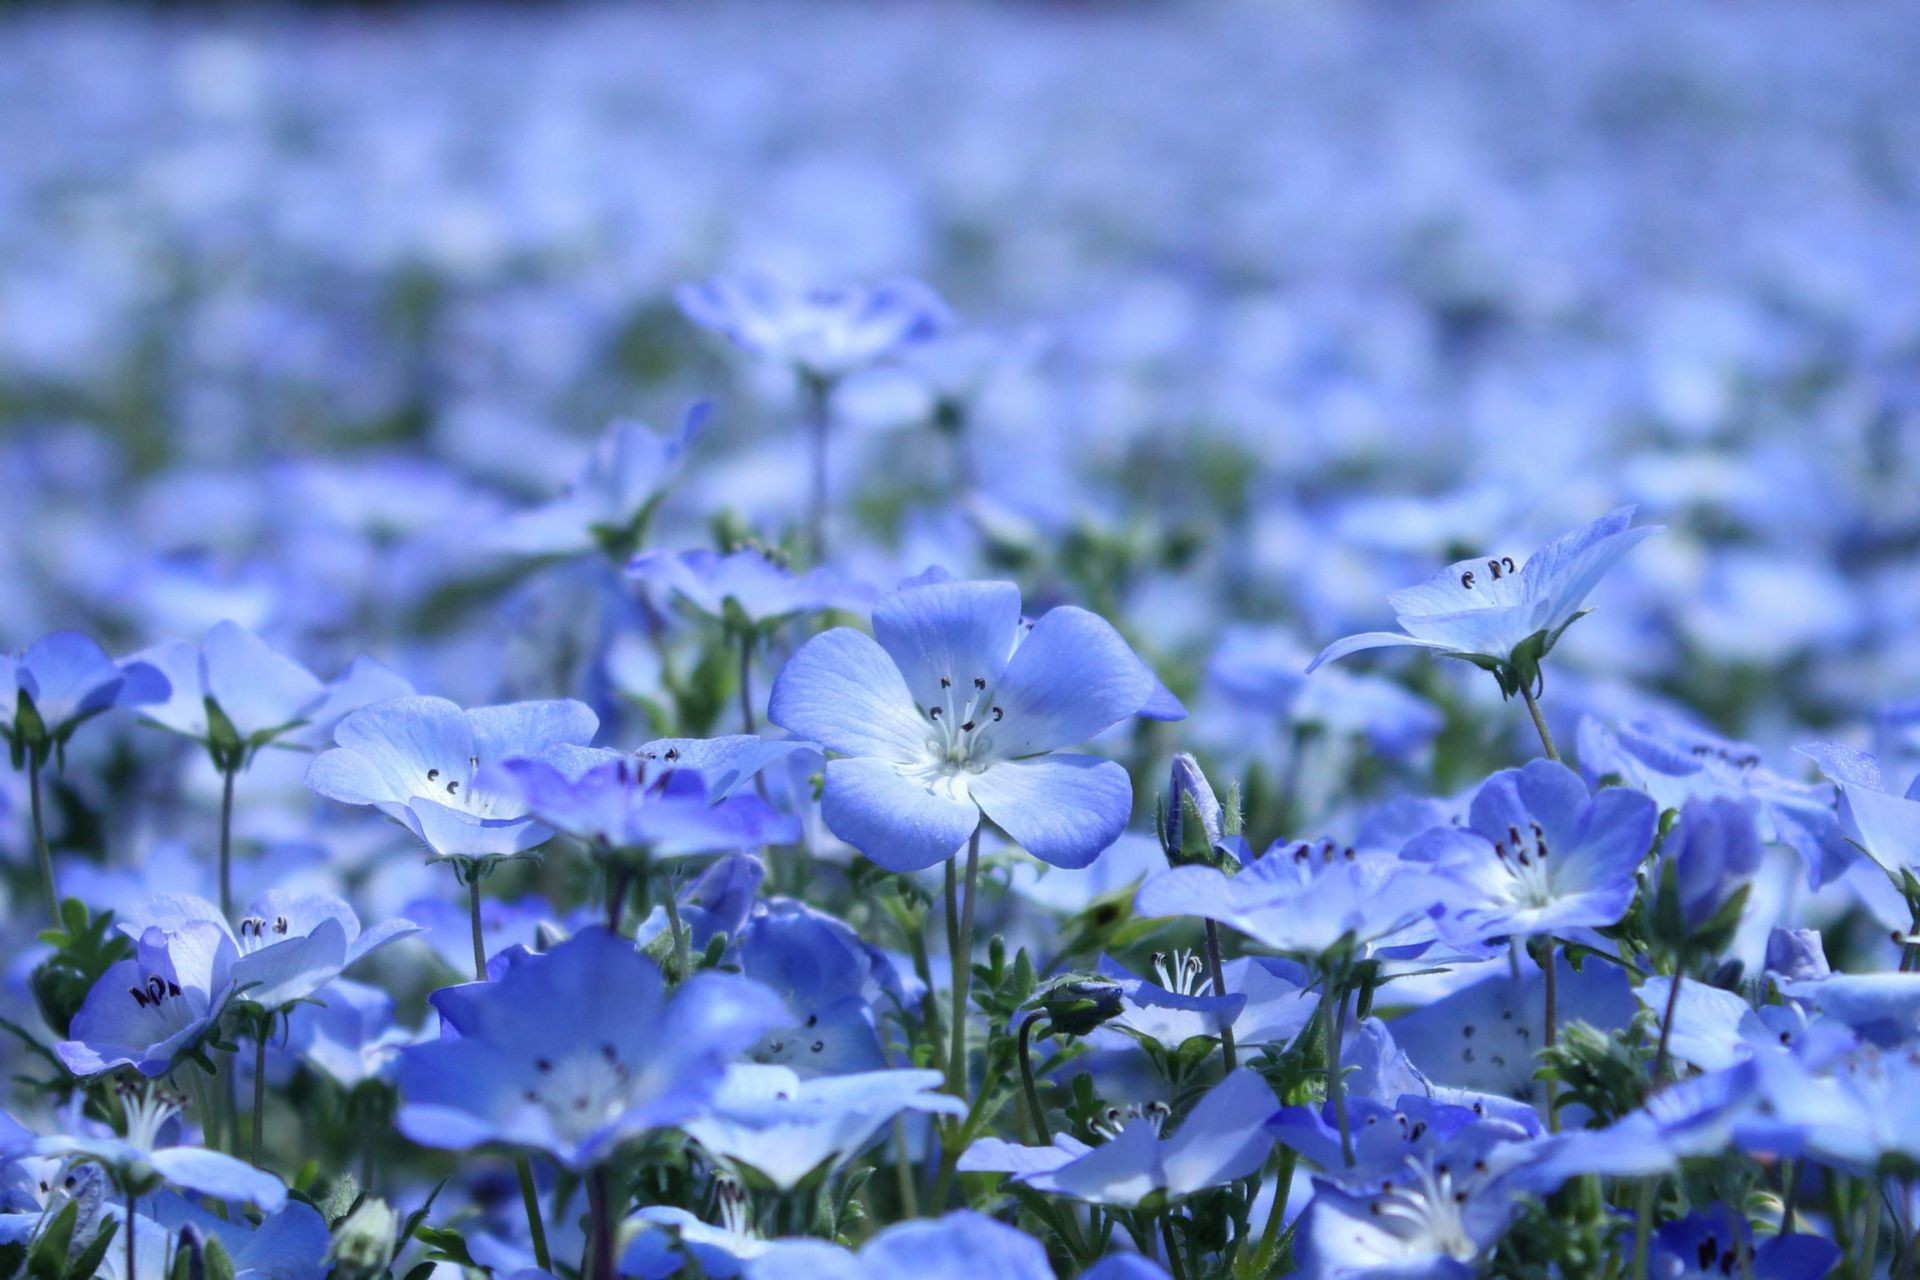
1287, 303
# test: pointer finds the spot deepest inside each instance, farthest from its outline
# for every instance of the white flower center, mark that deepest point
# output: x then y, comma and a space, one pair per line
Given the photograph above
584, 1090
1525, 862
1430, 1214
1182, 974
960, 729
256, 932
145, 1110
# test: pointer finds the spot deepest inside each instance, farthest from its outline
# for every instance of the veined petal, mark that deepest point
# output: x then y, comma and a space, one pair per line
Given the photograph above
1070, 678
1367, 640
531, 728
955, 631
401, 741
220, 1176
843, 691
254, 684
895, 818
1061, 809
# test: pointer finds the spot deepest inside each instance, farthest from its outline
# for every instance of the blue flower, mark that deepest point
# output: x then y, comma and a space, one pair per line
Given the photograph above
417, 760
1715, 1242
952, 714
1693, 1118
146, 1011
1179, 1007
784, 1128
624, 804
289, 945
964, 1245
823, 333
1483, 1036
1713, 852
1304, 899
1386, 1135
351, 1037
1675, 763
1487, 609
62, 681
1884, 820
1222, 1139
748, 588
825, 979
1539, 856
142, 1157
290, 1243
575, 1052
716, 902
609, 504
231, 691
1853, 1109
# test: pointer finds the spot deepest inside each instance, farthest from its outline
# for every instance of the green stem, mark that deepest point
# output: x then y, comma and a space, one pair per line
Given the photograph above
1870, 1229
1547, 968
681, 962
1642, 1226
602, 1212
473, 917
746, 681
1335, 994
1539, 723
818, 392
536, 1226
259, 1086
130, 1235
1270, 1236
960, 947
1666, 1022
40, 839
226, 842
1174, 1264
1789, 1195
1041, 1136
1218, 973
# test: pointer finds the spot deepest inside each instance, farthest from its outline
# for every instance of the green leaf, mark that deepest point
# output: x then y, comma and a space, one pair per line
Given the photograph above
48, 1258
87, 1264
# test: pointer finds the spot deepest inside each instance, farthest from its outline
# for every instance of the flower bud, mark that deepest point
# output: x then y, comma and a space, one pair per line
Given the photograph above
1075, 1006
363, 1242
1796, 953
1706, 863
1193, 824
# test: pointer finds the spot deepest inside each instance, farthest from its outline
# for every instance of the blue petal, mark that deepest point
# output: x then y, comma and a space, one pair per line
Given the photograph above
1071, 678
220, 1176
843, 691
1061, 809
257, 687
1367, 640
893, 817
954, 631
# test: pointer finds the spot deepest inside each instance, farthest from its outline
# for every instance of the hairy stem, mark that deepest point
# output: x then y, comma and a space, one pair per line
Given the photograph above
960, 949
473, 917
1539, 723
1041, 1136
226, 841
1333, 998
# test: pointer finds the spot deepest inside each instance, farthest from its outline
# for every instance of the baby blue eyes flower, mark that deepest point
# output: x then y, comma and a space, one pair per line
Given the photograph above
141, 1159
610, 503
60, 682
746, 589
232, 692
1875, 810
1715, 1243
822, 333
964, 1245
784, 1128
825, 979
948, 713
576, 1051
1539, 855
418, 761
147, 1011
1712, 854
1502, 614
627, 803
1222, 1139
288, 946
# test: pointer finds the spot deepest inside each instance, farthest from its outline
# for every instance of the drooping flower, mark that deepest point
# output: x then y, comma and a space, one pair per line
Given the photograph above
823, 333
947, 713
146, 1011
1223, 1138
783, 1127
609, 504
1539, 855
825, 979
288, 945
1706, 864
1500, 614
418, 760
351, 1037
1875, 812
144, 1155
62, 681
576, 1051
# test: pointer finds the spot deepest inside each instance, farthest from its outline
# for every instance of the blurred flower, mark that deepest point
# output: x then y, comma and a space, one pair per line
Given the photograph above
61, 681
824, 333
144, 1156
231, 692
610, 503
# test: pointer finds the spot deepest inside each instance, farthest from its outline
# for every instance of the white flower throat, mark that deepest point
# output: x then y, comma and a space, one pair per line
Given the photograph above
1525, 862
453, 787
961, 727
583, 1090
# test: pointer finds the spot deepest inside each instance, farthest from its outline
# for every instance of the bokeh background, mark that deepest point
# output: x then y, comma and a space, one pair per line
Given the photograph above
1287, 303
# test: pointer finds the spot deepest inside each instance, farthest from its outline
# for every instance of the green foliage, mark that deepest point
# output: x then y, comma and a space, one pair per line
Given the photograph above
85, 946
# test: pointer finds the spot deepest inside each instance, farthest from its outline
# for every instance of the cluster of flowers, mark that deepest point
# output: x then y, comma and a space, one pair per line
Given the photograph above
549, 859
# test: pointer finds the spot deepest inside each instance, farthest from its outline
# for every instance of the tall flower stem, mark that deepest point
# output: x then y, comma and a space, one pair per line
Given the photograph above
226, 840
1333, 1020
1041, 1136
1550, 1034
1869, 1228
1642, 1226
34, 761
1218, 974
818, 396
746, 682
960, 948
1277, 1216
536, 1226
259, 1084
130, 1234
1539, 723
472, 877
602, 1212
1174, 1265
681, 962
1666, 1021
